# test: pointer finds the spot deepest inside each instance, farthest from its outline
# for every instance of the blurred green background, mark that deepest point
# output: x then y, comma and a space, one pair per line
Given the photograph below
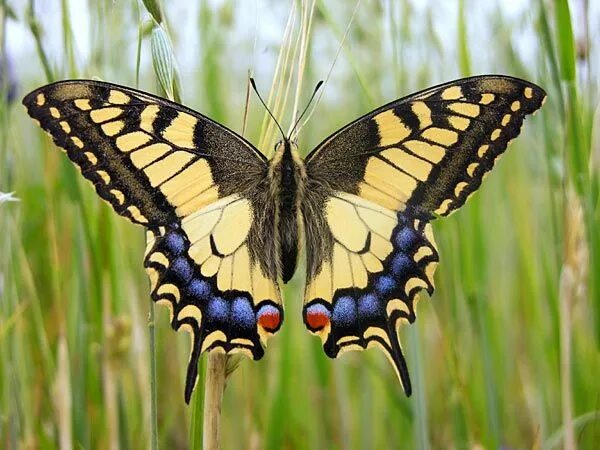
505, 354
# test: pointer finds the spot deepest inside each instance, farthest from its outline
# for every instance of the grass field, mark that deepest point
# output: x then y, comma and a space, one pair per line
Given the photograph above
506, 353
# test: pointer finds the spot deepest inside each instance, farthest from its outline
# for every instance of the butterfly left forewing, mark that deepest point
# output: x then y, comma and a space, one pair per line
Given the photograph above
152, 160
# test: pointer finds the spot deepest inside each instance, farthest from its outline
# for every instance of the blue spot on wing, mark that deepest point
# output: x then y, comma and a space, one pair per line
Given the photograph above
385, 284
218, 309
369, 305
242, 313
344, 311
182, 269
198, 288
406, 238
174, 243
401, 264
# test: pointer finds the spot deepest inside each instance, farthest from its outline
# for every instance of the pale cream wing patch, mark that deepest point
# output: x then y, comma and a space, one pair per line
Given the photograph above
362, 231
218, 236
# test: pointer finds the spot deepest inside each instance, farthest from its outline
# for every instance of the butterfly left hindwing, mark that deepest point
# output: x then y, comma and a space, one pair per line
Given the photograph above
372, 189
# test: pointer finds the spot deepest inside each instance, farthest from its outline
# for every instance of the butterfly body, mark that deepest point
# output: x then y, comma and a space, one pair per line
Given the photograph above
225, 226
287, 175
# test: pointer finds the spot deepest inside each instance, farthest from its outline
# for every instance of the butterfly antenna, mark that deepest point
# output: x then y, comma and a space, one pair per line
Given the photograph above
312, 97
266, 107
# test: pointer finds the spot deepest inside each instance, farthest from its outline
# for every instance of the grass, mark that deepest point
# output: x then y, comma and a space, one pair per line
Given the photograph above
506, 353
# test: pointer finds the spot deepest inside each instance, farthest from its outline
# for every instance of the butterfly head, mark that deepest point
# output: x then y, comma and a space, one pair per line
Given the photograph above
286, 159
286, 145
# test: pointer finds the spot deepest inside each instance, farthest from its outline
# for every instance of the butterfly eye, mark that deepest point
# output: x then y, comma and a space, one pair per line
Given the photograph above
277, 144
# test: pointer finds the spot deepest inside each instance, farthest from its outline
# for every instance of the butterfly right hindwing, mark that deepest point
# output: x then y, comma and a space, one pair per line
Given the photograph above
366, 266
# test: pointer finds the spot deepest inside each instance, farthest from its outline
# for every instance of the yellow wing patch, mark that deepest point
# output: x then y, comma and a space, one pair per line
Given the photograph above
181, 130
391, 129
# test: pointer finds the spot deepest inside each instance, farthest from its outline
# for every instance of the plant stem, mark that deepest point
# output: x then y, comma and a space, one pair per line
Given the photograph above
152, 349
213, 398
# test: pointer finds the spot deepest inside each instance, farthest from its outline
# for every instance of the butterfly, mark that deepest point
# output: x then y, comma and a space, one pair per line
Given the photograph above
225, 225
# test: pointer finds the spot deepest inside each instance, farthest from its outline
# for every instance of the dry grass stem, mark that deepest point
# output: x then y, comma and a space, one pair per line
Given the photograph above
213, 398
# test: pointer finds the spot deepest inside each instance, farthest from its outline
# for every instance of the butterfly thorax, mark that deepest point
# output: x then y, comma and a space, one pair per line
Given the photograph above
287, 175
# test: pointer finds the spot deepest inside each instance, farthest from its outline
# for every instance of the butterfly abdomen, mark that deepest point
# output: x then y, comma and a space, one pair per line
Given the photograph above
287, 182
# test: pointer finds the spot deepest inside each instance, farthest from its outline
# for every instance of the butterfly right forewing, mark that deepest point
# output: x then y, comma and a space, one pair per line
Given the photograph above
430, 150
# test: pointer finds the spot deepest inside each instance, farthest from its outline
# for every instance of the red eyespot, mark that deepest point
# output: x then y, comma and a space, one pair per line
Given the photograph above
269, 318
316, 320
316, 317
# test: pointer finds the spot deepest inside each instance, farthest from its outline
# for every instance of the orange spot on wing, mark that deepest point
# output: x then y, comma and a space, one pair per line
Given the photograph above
317, 320
269, 318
